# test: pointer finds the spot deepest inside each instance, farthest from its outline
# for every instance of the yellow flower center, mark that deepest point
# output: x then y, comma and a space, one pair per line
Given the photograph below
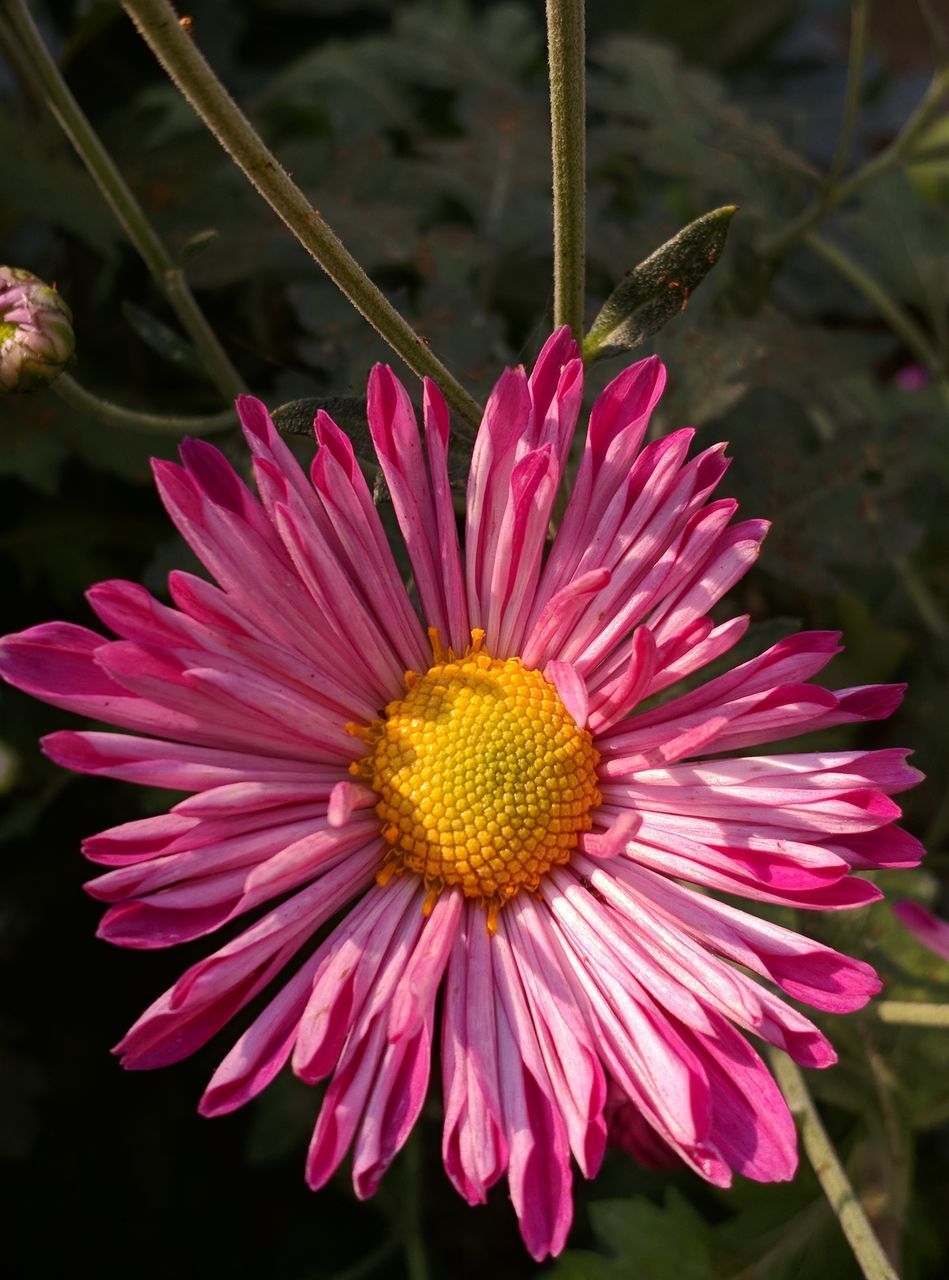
484, 779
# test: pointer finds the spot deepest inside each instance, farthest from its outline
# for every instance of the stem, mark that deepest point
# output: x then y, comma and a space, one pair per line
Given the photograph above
911, 1013
371, 1262
44, 81
177, 52
858, 43
840, 1194
413, 1241
918, 591
131, 420
899, 320
894, 1163
831, 197
566, 47
937, 32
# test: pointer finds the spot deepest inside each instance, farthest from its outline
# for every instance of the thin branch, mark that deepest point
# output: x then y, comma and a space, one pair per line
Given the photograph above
916, 587
900, 321
566, 52
178, 53
841, 1196
892, 1150
937, 32
116, 415
859, 13
413, 1237
900, 148
371, 1262
44, 82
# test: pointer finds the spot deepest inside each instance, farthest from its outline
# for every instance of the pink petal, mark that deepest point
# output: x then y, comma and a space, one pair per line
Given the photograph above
927, 928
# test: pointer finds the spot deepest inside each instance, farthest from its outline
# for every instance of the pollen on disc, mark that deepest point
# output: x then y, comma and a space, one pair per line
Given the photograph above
484, 780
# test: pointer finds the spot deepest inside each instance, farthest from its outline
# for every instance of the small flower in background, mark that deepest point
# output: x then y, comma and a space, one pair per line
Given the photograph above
925, 927
480, 794
36, 334
912, 377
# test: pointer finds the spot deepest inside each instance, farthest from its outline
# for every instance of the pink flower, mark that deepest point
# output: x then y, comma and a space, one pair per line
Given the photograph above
524, 858
926, 928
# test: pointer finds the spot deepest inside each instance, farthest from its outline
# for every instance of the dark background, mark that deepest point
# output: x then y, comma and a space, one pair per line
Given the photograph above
420, 132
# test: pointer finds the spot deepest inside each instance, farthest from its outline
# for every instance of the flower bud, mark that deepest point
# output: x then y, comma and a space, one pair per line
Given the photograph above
36, 335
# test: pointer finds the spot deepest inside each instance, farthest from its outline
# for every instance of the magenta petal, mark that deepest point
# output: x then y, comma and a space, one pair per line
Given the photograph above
751, 1124
927, 928
261, 1051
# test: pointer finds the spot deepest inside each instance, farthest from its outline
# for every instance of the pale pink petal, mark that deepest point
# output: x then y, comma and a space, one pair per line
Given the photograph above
435, 413
571, 689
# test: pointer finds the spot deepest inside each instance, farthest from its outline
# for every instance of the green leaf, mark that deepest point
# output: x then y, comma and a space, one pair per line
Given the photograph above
659, 288
164, 341
643, 1239
581, 1264
295, 418
654, 1240
197, 244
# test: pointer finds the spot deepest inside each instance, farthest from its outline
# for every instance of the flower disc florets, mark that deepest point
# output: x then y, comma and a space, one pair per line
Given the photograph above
484, 779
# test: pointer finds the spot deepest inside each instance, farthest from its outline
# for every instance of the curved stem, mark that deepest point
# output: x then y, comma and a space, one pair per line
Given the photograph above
899, 320
177, 52
43, 81
833, 196
566, 51
841, 1196
911, 1013
116, 415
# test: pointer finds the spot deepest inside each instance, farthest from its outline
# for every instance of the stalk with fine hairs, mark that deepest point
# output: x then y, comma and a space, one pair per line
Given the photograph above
42, 79
178, 53
566, 50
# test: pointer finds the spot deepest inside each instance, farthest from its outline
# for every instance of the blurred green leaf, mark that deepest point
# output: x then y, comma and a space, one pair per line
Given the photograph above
197, 244
163, 340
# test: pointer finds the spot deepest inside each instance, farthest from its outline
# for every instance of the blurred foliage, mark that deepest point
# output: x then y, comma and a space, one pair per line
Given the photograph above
420, 132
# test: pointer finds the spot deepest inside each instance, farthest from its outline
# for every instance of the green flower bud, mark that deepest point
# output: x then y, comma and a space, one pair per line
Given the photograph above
36, 335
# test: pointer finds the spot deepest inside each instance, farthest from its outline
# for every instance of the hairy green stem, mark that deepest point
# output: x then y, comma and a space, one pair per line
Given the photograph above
899, 320
566, 52
834, 195
841, 1196
116, 415
178, 53
911, 1013
859, 12
43, 80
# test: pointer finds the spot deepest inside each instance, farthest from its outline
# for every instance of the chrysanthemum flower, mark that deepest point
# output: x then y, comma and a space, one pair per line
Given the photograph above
460, 812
